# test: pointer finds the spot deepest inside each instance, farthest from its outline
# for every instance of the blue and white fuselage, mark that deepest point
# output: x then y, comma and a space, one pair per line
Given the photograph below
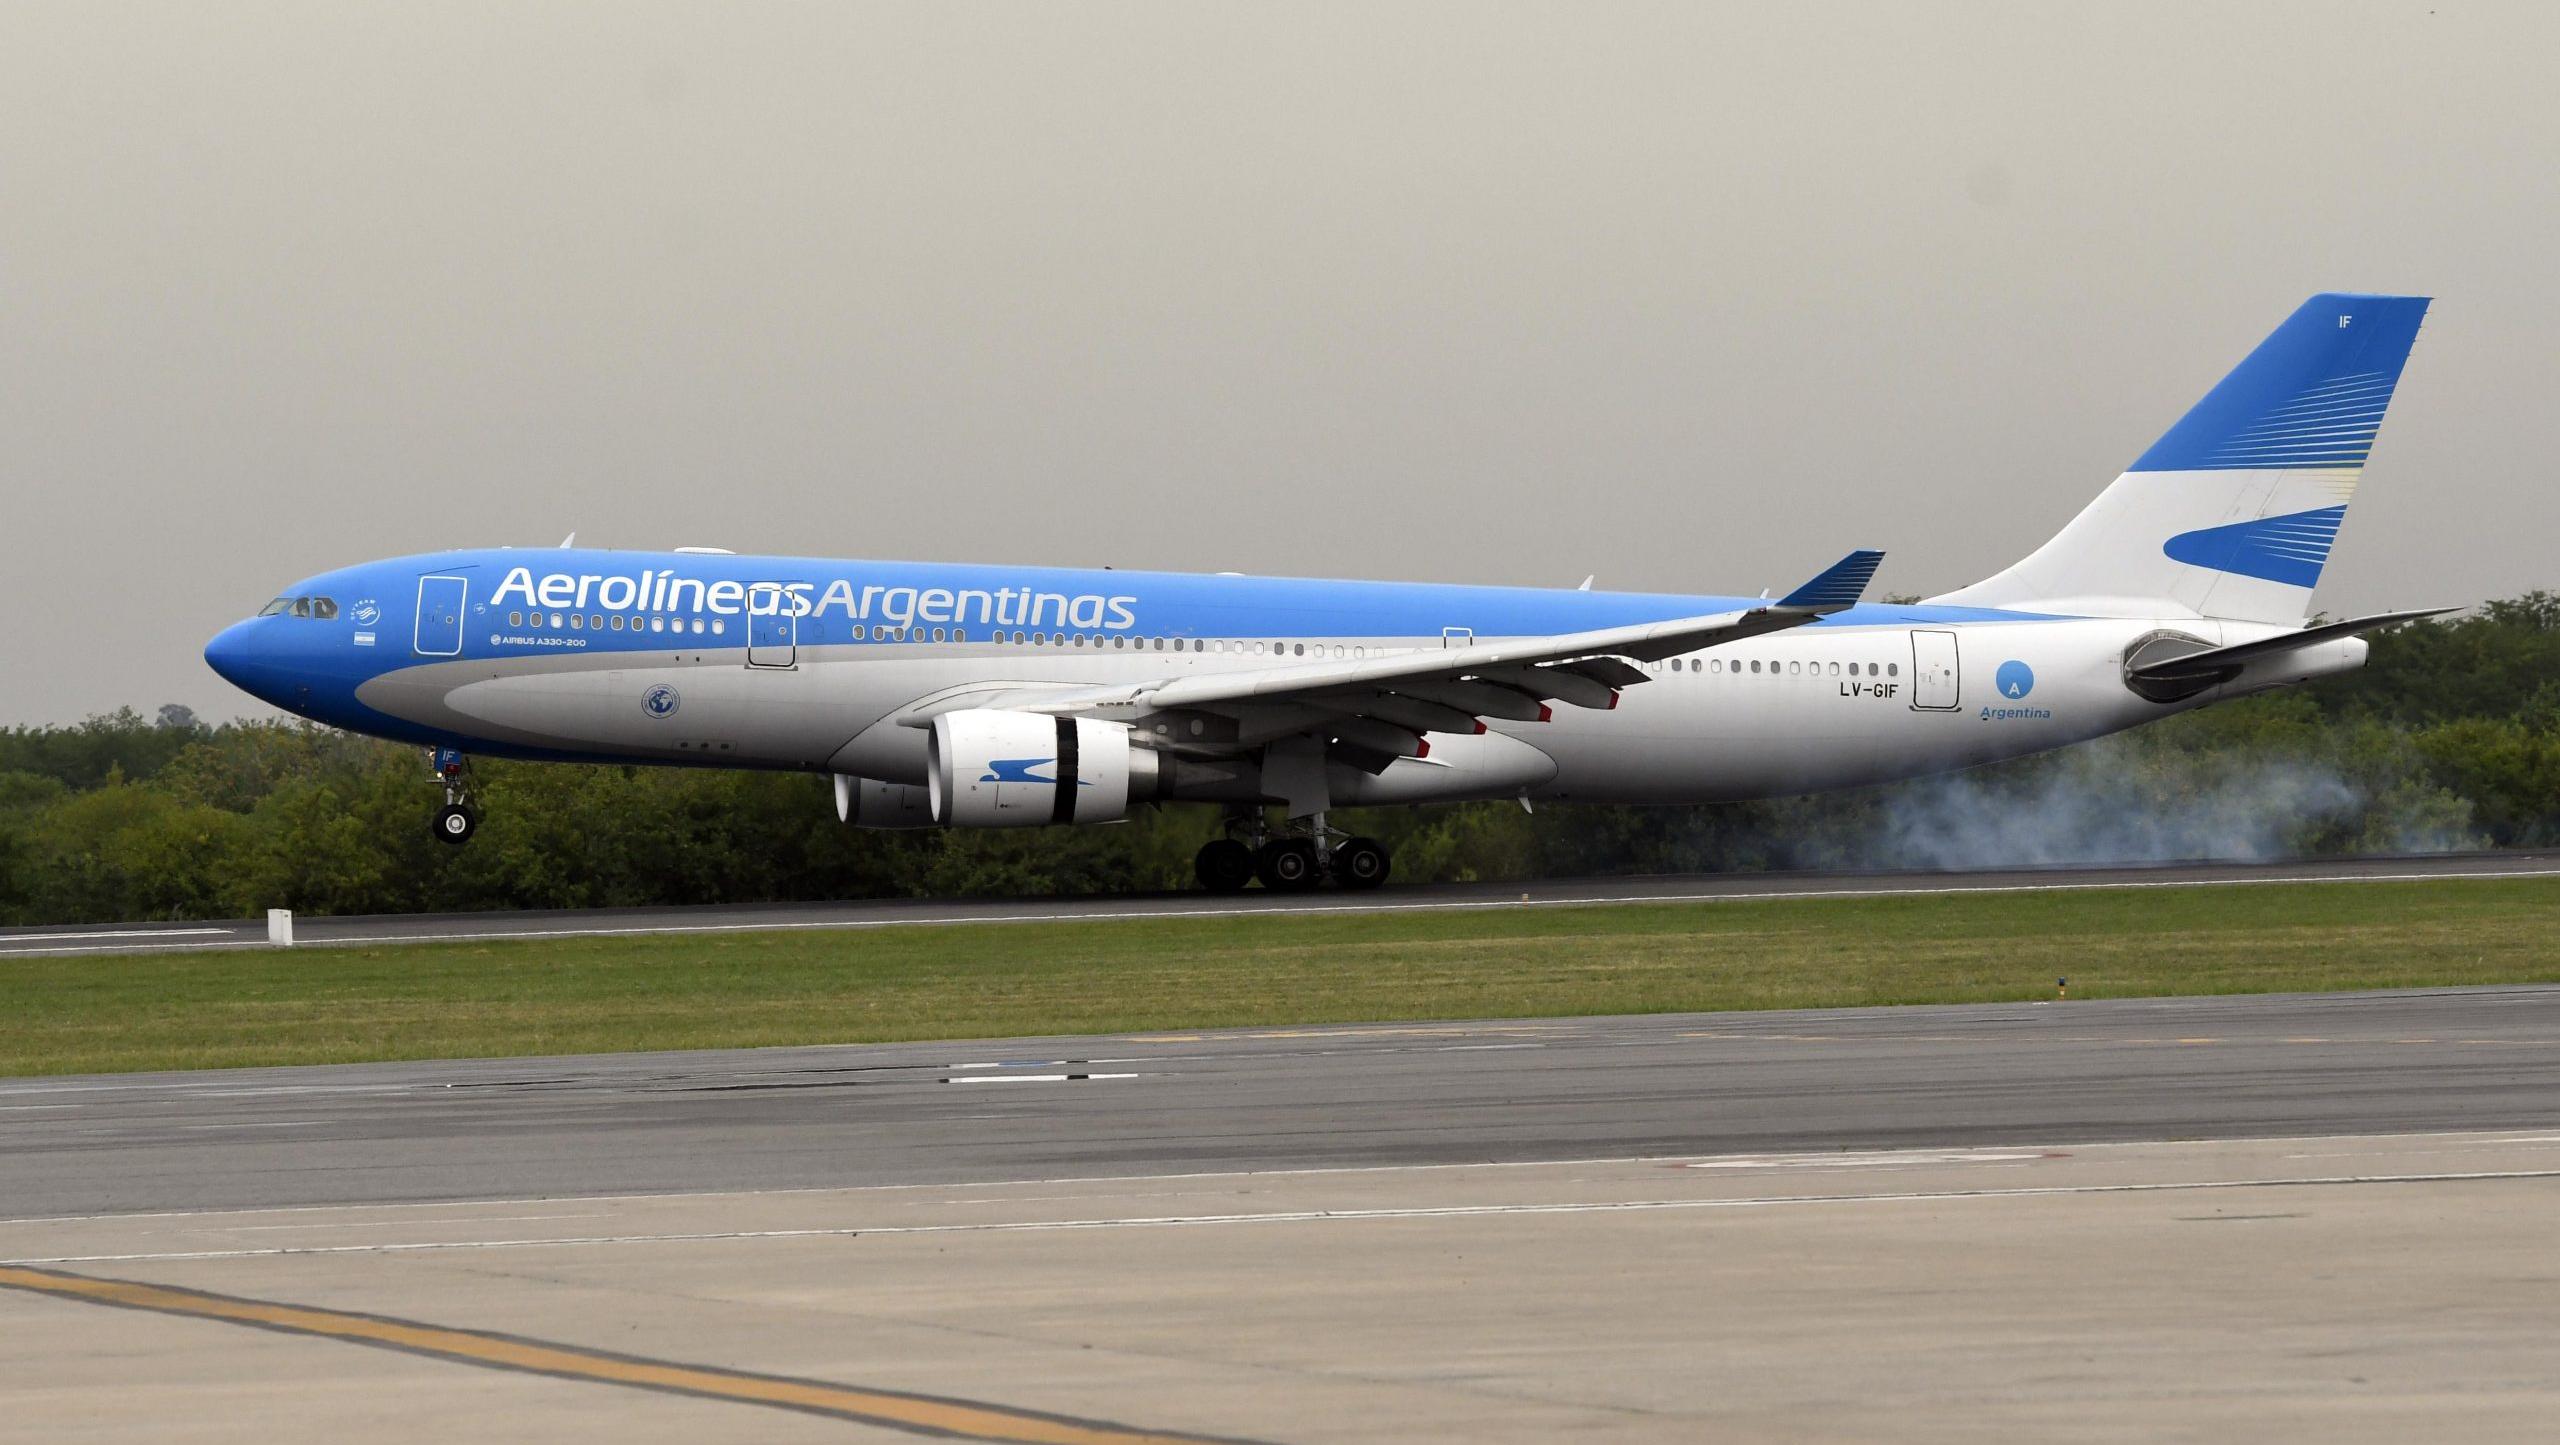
930, 690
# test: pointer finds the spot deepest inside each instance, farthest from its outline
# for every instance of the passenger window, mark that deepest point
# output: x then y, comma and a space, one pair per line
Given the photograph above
576, 622
515, 619
1755, 664
596, 621
718, 626
697, 626
1893, 669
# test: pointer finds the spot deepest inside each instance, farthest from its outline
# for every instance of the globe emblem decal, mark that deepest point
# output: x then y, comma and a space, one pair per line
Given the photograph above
661, 701
366, 613
2014, 680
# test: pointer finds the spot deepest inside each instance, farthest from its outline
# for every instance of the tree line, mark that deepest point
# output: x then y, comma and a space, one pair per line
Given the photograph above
2449, 737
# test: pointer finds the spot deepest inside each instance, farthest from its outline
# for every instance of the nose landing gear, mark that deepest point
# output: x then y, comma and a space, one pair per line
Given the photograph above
457, 819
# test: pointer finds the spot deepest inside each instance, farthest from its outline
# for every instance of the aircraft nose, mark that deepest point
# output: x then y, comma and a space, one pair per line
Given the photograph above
228, 653
243, 661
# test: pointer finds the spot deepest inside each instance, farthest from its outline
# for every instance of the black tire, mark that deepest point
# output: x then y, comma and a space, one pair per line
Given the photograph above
1288, 865
455, 824
1224, 866
1360, 864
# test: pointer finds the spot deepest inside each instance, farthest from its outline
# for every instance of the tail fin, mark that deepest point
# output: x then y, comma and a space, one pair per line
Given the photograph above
2233, 512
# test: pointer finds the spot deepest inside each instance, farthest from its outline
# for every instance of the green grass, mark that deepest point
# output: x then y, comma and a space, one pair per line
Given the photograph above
313, 1005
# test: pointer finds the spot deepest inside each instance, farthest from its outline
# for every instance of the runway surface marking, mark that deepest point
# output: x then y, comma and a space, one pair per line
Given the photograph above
9, 944
1310, 1216
922, 1414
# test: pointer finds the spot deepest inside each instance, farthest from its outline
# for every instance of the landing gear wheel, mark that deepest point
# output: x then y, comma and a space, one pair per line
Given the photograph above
455, 823
1360, 864
1224, 866
1288, 865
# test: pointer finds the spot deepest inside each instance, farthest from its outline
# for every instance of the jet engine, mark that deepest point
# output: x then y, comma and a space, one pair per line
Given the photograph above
989, 768
871, 803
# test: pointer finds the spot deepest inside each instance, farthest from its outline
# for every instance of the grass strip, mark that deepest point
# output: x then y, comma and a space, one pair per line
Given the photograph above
97, 1014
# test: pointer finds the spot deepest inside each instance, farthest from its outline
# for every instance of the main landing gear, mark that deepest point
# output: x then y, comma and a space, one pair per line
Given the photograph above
1288, 862
457, 819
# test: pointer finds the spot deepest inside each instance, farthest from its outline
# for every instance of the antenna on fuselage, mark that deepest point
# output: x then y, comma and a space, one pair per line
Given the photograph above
1587, 581
569, 541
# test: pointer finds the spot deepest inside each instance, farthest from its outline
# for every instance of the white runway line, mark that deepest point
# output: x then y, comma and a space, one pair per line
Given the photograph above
1314, 1216
1117, 914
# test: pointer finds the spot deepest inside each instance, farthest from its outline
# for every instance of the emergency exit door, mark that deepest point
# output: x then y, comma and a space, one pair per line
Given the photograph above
439, 629
1934, 677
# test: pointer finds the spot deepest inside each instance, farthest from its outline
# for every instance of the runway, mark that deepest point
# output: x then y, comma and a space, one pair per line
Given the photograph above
2094, 1220
135, 937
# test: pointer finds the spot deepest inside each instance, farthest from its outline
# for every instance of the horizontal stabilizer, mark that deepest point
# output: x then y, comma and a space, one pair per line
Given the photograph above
1839, 585
2220, 659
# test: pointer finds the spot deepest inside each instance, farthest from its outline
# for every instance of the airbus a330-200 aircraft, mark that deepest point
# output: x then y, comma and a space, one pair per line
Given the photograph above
991, 697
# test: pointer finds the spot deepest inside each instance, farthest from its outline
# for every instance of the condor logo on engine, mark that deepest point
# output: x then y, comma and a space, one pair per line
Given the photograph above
1018, 770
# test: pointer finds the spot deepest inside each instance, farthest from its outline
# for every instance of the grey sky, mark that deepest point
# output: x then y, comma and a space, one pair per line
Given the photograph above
1694, 297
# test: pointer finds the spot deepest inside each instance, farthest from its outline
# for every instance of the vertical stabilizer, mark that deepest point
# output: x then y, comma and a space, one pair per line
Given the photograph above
2233, 512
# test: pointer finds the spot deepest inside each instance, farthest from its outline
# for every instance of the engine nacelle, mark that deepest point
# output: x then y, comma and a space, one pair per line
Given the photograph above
988, 768
870, 803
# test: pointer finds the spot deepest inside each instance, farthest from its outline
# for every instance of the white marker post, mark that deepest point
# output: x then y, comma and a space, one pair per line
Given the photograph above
280, 927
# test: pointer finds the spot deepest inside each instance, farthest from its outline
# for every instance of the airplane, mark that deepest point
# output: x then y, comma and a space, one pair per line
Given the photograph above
967, 696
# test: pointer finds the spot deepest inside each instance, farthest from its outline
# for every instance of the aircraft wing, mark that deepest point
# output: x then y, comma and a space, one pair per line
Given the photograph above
1374, 710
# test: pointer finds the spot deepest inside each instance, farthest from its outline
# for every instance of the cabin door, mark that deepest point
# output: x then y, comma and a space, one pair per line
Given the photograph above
439, 629
773, 628
1934, 677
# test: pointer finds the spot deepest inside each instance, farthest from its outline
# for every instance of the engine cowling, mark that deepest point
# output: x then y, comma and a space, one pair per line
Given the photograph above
870, 803
989, 768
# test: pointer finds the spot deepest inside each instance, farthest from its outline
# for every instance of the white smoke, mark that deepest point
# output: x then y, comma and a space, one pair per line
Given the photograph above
2120, 805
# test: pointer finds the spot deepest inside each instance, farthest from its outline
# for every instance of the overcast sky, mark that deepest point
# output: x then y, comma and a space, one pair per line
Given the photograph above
1694, 297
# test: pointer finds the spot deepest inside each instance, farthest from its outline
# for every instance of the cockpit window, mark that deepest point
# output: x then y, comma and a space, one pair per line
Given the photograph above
322, 608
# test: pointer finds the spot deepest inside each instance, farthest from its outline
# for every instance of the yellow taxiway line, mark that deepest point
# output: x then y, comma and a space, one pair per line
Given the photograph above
926, 1414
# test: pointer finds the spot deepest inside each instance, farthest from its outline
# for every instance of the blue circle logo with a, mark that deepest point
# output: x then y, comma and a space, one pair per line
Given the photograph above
661, 701
2015, 680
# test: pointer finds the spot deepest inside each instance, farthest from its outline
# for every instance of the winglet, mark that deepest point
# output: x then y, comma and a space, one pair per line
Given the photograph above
1839, 585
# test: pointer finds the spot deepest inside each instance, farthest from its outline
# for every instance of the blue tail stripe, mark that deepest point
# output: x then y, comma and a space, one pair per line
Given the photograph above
2290, 549
2310, 397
